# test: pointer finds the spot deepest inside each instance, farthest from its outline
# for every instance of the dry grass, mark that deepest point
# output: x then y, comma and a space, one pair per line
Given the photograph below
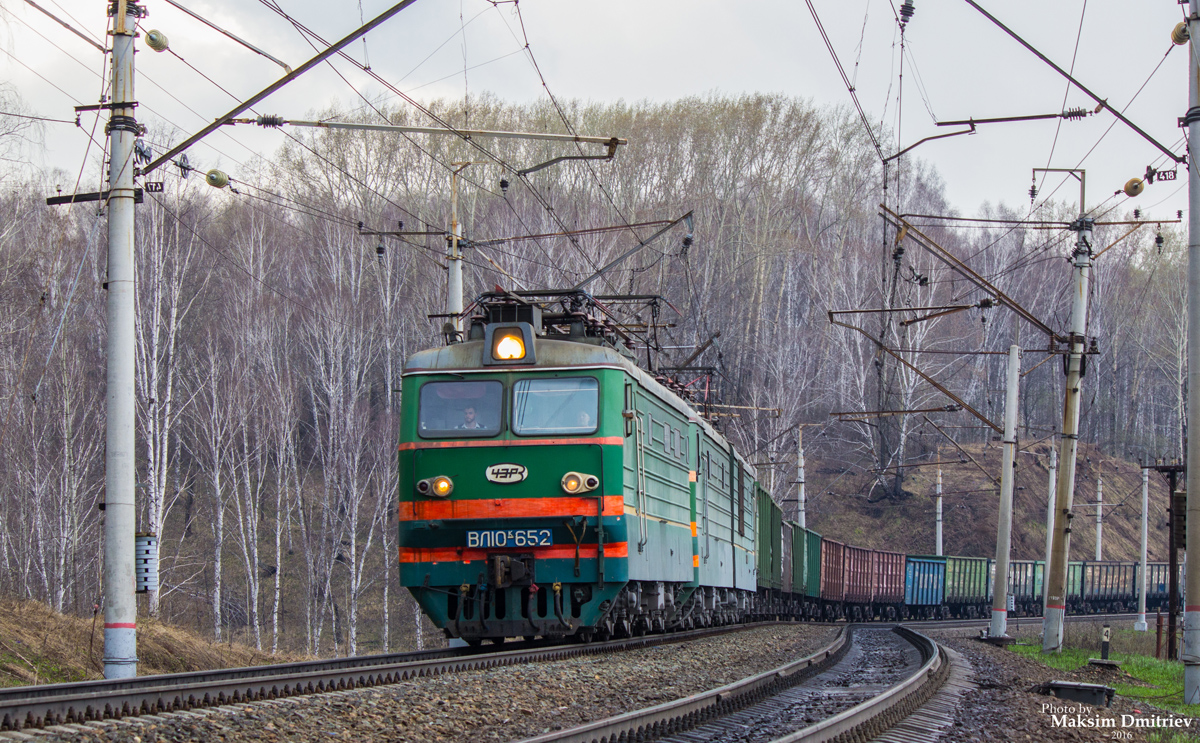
40, 646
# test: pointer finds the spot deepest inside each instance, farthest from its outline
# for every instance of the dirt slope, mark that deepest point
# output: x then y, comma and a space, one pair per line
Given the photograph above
40, 646
842, 506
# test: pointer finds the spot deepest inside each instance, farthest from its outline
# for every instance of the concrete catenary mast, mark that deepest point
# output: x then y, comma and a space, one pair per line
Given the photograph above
120, 605
1191, 612
1056, 569
999, 624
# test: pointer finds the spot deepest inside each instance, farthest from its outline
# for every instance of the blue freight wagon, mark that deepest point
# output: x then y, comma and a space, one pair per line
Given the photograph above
924, 586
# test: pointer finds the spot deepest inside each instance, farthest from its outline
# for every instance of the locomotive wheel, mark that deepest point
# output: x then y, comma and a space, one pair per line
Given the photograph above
529, 638
497, 640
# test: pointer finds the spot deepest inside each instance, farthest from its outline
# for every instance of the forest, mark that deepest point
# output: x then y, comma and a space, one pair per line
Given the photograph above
271, 334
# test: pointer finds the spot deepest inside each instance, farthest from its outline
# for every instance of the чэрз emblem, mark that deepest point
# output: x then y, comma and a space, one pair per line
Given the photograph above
506, 474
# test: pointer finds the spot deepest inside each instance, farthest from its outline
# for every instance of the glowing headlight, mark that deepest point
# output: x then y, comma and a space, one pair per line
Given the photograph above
510, 347
439, 487
575, 482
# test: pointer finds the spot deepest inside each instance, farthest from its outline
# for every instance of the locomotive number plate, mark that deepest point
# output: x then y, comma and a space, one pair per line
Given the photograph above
509, 538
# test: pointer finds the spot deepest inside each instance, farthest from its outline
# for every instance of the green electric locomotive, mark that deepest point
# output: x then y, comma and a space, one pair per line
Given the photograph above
551, 487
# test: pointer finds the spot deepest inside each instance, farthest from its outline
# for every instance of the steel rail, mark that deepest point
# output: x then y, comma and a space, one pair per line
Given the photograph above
871, 717
685, 713
874, 716
54, 704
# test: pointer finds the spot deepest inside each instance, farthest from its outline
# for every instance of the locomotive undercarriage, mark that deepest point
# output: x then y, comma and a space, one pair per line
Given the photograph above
644, 607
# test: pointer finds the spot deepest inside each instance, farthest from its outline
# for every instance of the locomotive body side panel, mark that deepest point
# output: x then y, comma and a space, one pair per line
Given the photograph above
657, 489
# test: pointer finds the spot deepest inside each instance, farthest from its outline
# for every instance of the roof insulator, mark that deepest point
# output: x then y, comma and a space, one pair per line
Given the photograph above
906, 12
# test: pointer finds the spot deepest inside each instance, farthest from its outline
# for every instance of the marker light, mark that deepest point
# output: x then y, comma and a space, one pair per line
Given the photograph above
509, 347
575, 482
439, 487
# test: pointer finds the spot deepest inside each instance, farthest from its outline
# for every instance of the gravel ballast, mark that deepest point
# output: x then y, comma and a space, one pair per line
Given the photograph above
498, 704
1004, 709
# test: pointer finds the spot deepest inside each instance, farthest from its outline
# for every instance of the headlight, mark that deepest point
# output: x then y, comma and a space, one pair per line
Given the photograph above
439, 487
577, 482
510, 346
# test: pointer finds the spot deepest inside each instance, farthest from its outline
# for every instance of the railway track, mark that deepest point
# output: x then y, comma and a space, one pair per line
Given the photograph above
1015, 622
77, 703
57, 704
862, 683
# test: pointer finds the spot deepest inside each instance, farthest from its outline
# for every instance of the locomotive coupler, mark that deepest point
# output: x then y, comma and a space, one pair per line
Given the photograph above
511, 570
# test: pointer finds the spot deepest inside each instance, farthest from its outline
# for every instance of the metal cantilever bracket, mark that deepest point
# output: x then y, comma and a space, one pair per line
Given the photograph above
612, 151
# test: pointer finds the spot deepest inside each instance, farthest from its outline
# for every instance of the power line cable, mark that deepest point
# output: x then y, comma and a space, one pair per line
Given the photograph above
845, 80
1067, 92
40, 118
567, 123
306, 32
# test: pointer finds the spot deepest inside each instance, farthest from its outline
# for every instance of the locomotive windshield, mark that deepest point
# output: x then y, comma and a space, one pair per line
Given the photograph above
458, 409
555, 406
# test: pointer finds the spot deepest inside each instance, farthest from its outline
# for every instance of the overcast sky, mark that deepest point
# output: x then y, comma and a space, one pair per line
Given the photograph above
957, 65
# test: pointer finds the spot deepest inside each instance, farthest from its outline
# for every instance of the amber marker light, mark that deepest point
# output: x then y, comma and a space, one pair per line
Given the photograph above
574, 482
509, 347
439, 487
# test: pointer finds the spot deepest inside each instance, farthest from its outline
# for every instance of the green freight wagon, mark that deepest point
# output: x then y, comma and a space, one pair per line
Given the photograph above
770, 537
967, 581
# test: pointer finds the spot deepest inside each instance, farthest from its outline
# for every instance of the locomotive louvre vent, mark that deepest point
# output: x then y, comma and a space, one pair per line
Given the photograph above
512, 313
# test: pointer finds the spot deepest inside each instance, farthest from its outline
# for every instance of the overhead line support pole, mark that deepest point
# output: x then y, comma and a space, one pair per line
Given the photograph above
1056, 569
120, 519
1191, 613
801, 517
1049, 524
999, 625
1140, 624
938, 536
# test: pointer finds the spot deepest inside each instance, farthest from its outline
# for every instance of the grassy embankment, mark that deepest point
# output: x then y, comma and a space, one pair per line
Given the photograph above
1141, 678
